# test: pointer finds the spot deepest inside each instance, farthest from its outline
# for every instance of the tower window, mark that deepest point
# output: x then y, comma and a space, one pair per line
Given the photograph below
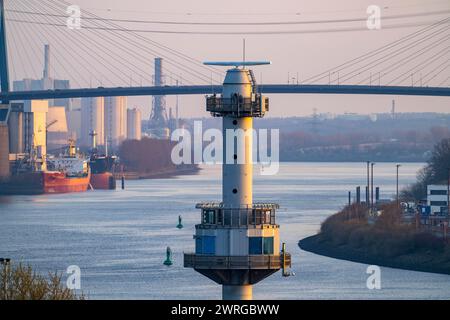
260, 245
209, 217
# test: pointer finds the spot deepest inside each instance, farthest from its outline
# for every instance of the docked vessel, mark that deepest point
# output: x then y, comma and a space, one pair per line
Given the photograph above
63, 174
102, 172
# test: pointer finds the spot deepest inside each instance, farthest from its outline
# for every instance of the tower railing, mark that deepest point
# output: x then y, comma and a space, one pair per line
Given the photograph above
197, 261
238, 217
238, 106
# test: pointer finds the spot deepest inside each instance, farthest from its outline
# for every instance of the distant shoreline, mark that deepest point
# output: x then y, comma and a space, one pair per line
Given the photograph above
353, 161
412, 262
171, 172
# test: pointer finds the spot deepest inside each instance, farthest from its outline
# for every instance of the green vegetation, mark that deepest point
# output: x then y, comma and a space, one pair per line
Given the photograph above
387, 241
435, 172
19, 282
146, 155
387, 237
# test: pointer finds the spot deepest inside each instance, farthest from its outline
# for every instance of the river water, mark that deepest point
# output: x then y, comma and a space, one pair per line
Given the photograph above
119, 238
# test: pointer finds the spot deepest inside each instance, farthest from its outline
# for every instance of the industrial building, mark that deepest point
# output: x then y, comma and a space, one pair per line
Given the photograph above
92, 121
4, 142
74, 123
57, 130
437, 199
35, 129
27, 131
134, 130
16, 129
115, 121
45, 83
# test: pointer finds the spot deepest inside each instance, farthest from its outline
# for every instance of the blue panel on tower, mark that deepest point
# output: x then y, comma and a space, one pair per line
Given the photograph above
255, 245
198, 245
205, 245
209, 245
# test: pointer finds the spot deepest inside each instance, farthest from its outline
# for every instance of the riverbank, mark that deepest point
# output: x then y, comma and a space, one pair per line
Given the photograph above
388, 240
424, 262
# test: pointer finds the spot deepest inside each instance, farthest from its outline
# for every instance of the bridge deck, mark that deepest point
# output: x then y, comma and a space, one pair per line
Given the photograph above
208, 89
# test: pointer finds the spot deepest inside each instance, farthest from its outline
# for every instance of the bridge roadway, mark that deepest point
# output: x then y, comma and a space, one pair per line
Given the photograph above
210, 89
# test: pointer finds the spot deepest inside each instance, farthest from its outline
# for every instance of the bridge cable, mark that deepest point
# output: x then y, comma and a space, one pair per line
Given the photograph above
159, 45
69, 51
411, 57
374, 52
122, 61
390, 55
88, 52
186, 69
425, 63
37, 36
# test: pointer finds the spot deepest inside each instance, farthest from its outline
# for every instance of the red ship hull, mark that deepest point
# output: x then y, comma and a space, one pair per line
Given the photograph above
103, 181
57, 182
34, 183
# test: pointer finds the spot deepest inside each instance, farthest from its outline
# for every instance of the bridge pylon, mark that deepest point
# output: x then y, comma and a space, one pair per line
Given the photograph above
4, 74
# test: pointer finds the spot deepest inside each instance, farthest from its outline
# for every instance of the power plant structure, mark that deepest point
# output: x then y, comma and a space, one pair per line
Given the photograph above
134, 131
115, 121
4, 141
46, 82
92, 120
237, 242
56, 127
158, 125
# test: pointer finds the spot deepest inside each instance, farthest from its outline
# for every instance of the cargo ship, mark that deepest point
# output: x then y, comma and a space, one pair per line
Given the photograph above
62, 174
102, 172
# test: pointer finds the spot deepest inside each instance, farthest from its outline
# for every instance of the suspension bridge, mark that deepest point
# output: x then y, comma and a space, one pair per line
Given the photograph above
98, 57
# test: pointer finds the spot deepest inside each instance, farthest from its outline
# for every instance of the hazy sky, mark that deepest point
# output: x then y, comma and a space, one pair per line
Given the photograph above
305, 54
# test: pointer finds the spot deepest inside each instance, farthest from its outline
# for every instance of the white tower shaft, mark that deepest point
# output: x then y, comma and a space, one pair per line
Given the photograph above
237, 170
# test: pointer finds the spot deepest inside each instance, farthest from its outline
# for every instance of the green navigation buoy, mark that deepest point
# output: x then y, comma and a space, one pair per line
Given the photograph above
180, 223
168, 261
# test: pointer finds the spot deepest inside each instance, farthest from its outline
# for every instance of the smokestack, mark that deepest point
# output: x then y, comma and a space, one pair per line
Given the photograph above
358, 195
393, 109
158, 72
46, 61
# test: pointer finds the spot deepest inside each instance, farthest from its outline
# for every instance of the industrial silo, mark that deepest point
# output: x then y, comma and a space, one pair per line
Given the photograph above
134, 129
92, 120
115, 120
4, 142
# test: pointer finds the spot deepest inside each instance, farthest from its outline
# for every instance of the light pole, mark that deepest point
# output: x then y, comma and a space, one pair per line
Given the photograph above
398, 199
368, 186
371, 187
448, 192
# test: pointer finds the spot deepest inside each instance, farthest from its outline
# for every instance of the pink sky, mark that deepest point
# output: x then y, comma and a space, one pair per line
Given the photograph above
307, 54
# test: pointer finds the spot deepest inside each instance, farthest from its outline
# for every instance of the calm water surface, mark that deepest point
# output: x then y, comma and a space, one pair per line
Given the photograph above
118, 238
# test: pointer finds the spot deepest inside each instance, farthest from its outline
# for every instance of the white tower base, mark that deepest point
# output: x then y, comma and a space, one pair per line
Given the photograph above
244, 292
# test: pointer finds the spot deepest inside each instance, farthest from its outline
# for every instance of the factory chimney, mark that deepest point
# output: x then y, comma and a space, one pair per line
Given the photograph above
46, 61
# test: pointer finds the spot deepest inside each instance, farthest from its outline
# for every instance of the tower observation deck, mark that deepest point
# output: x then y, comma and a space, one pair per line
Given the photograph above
237, 242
